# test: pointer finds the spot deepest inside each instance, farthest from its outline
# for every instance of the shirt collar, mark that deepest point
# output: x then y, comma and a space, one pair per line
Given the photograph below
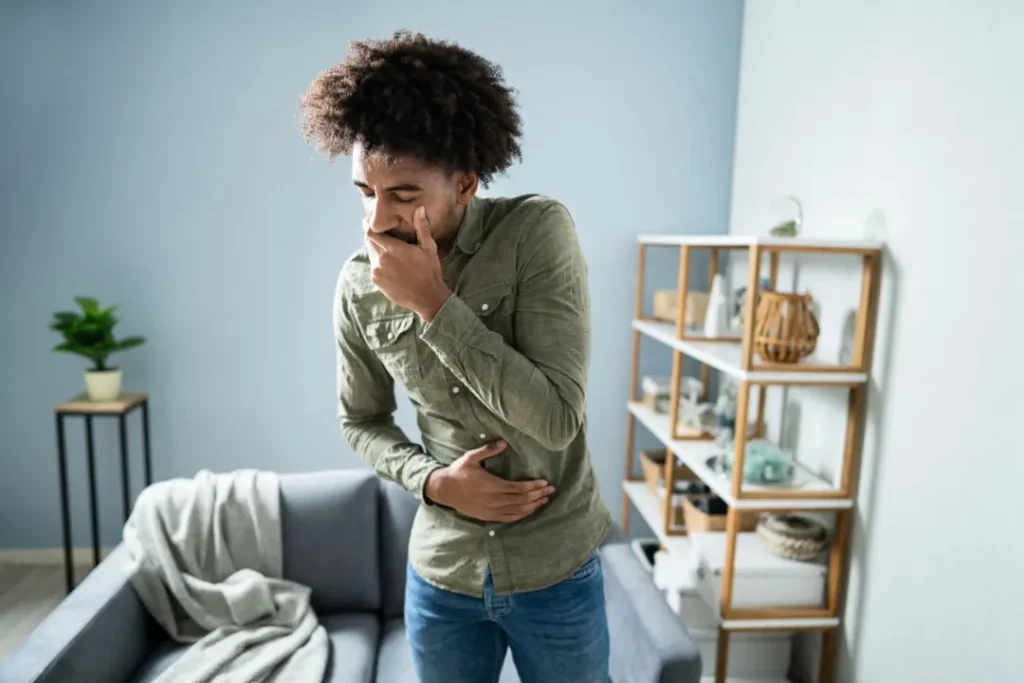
471, 230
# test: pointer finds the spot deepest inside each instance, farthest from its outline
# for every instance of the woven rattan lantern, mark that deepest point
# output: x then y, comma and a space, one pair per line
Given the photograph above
786, 330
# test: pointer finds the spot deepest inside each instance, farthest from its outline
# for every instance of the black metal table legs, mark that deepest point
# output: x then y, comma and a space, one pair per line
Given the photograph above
62, 464
91, 468
145, 443
94, 522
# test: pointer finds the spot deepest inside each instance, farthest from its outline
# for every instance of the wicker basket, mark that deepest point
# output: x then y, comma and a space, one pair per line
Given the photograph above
786, 330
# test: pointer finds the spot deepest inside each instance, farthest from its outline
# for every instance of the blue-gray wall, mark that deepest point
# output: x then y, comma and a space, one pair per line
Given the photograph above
149, 156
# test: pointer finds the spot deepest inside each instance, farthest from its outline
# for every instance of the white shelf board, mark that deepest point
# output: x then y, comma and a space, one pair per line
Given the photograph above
756, 240
746, 679
726, 356
694, 454
780, 624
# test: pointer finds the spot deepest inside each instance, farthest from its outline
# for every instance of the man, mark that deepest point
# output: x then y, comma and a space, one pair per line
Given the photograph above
480, 309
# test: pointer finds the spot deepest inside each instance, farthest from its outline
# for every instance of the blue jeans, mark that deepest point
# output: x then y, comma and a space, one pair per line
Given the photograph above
557, 635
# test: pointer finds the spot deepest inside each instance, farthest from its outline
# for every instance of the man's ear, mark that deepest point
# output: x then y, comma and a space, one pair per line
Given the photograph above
467, 183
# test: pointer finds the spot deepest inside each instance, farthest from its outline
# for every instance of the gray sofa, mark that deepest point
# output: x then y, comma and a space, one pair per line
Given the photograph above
345, 535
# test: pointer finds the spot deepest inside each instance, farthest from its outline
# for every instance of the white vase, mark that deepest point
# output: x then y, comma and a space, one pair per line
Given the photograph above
103, 385
716, 321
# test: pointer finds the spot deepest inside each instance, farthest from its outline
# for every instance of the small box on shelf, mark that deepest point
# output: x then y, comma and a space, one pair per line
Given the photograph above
666, 306
696, 520
656, 392
653, 464
762, 579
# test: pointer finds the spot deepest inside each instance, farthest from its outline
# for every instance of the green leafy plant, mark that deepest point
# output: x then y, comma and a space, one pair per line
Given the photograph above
90, 334
790, 228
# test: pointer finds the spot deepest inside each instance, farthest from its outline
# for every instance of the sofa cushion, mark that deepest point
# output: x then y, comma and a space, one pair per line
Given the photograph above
394, 661
397, 510
329, 528
354, 640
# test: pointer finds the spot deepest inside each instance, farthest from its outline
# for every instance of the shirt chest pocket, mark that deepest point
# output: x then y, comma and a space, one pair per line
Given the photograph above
393, 340
495, 306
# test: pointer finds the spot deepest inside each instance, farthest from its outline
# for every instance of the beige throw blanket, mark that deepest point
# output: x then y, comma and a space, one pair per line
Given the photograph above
206, 560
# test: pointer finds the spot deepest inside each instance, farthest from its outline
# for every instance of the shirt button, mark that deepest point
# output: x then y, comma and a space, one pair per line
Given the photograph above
391, 335
483, 436
491, 532
455, 390
484, 307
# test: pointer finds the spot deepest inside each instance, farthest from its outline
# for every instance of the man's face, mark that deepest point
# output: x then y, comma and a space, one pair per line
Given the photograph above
393, 189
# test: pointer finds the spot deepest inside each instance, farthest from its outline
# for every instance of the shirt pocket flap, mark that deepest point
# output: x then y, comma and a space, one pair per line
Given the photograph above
486, 300
380, 334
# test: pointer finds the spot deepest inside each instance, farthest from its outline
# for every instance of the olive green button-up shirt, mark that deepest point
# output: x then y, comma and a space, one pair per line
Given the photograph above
506, 357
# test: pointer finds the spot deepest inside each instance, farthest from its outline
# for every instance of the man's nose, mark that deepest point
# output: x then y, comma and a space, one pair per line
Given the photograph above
380, 219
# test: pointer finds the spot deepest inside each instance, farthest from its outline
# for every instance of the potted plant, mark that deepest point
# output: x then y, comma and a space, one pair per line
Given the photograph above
90, 334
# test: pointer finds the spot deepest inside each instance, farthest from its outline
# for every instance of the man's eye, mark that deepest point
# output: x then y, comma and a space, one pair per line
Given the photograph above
367, 196
402, 200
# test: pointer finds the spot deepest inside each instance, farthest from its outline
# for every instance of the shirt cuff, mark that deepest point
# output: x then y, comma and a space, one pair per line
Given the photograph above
416, 483
452, 328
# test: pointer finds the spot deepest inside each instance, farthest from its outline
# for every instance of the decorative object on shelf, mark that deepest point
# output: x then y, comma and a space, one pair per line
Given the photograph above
693, 413
716, 320
90, 334
691, 389
786, 329
708, 513
764, 463
790, 228
792, 536
657, 392
739, 307
666, 305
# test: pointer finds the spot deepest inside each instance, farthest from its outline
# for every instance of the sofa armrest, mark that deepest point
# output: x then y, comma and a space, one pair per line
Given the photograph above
100, 633
649, 643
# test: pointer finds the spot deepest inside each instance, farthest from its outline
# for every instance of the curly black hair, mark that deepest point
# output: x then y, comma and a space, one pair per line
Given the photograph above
411, 95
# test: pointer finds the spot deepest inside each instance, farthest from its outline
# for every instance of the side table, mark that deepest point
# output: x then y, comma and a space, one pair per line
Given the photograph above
84, 407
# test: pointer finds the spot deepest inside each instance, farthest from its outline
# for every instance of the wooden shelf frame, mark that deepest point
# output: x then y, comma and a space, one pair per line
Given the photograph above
756, 375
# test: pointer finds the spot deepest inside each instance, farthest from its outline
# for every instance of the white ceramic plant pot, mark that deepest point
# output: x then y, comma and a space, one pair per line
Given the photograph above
103, 385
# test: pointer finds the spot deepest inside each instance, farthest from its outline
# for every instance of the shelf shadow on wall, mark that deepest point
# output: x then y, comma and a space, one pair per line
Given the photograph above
877, 413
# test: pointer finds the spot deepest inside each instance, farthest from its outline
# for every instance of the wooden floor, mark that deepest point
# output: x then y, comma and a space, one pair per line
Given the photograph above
28, 592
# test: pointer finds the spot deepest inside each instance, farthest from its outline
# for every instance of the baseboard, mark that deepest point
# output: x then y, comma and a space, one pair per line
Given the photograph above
48, 555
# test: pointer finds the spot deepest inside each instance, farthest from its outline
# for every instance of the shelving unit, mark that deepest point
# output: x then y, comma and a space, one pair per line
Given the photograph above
807, 493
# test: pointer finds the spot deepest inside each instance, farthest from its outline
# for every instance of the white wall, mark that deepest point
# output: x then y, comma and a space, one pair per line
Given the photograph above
907, 119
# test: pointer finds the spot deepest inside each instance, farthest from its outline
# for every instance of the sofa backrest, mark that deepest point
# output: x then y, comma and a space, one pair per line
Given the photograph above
346, 536
329, 529
397, 510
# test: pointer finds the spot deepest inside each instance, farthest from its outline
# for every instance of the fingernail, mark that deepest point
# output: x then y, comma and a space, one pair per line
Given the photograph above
544, 501
499, 444
543, 483
551, 489
423, 212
